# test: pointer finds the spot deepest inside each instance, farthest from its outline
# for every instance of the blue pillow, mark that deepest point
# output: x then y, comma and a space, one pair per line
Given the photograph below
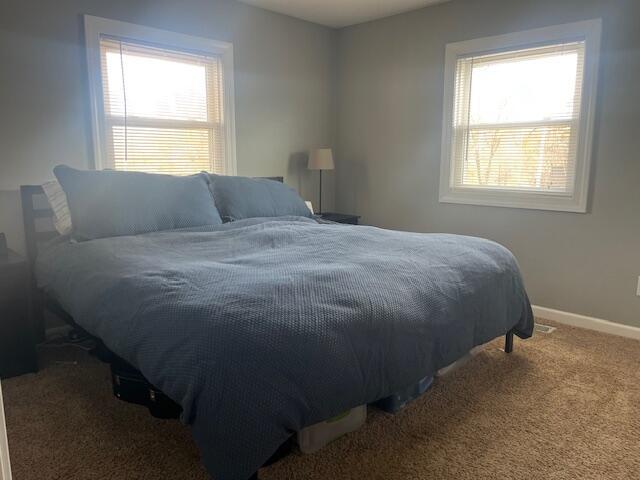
242, 197
108, 203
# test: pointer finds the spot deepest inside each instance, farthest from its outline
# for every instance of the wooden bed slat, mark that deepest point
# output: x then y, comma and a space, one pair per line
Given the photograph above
43, 213
46, 236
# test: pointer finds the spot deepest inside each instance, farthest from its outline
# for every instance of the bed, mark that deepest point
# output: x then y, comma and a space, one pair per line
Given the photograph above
260, 327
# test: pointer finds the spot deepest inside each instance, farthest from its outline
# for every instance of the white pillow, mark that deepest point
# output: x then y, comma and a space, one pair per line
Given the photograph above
309, 205
58, 202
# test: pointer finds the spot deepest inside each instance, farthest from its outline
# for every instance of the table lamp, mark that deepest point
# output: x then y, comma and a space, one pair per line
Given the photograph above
321, 159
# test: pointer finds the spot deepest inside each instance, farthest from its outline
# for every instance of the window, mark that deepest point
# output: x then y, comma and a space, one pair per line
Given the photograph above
518, 118
162, 101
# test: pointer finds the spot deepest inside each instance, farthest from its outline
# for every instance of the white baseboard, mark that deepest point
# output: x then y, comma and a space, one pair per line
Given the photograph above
590, 323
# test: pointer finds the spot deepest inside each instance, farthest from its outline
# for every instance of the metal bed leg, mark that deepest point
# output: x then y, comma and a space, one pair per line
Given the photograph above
508, 342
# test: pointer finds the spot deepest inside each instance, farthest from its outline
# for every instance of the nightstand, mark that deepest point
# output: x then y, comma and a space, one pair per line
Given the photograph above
17, 340
341, 218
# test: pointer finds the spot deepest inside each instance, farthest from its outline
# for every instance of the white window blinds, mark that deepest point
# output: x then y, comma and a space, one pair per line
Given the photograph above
516, 119
163, 109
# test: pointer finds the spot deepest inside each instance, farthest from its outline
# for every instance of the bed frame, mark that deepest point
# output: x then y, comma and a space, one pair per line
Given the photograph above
39, 229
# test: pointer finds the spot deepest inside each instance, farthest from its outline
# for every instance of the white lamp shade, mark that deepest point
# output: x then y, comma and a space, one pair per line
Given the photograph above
321, 159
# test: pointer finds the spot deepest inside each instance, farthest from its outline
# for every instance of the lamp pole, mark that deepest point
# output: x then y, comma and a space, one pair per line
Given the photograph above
320, 159
320, 203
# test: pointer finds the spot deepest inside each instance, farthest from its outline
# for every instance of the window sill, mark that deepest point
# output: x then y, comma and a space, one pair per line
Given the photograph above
530, 201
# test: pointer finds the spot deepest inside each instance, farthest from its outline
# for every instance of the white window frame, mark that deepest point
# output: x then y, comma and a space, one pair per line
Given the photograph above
590, 32
95, 27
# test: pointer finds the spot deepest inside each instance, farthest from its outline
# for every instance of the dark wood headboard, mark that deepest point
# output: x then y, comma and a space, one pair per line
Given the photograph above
38, 229
38, 219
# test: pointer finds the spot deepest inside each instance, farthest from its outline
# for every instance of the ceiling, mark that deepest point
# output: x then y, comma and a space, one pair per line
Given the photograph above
341, 13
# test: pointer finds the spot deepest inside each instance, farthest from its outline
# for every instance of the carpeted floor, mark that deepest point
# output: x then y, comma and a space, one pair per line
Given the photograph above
562, 406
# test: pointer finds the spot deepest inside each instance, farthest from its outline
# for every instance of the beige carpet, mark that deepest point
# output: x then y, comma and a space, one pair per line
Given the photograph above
562, 406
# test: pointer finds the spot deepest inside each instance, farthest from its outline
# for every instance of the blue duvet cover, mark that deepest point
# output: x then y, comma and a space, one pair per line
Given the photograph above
261, 327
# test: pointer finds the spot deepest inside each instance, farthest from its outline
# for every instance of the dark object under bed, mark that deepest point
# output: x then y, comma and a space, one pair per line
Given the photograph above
257, 370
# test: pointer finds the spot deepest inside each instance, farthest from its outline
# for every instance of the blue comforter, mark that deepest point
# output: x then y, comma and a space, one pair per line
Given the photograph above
261, 327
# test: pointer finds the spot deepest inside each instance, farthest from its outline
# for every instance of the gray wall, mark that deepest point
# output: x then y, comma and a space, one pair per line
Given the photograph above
390, 89
284, 85
388, 76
